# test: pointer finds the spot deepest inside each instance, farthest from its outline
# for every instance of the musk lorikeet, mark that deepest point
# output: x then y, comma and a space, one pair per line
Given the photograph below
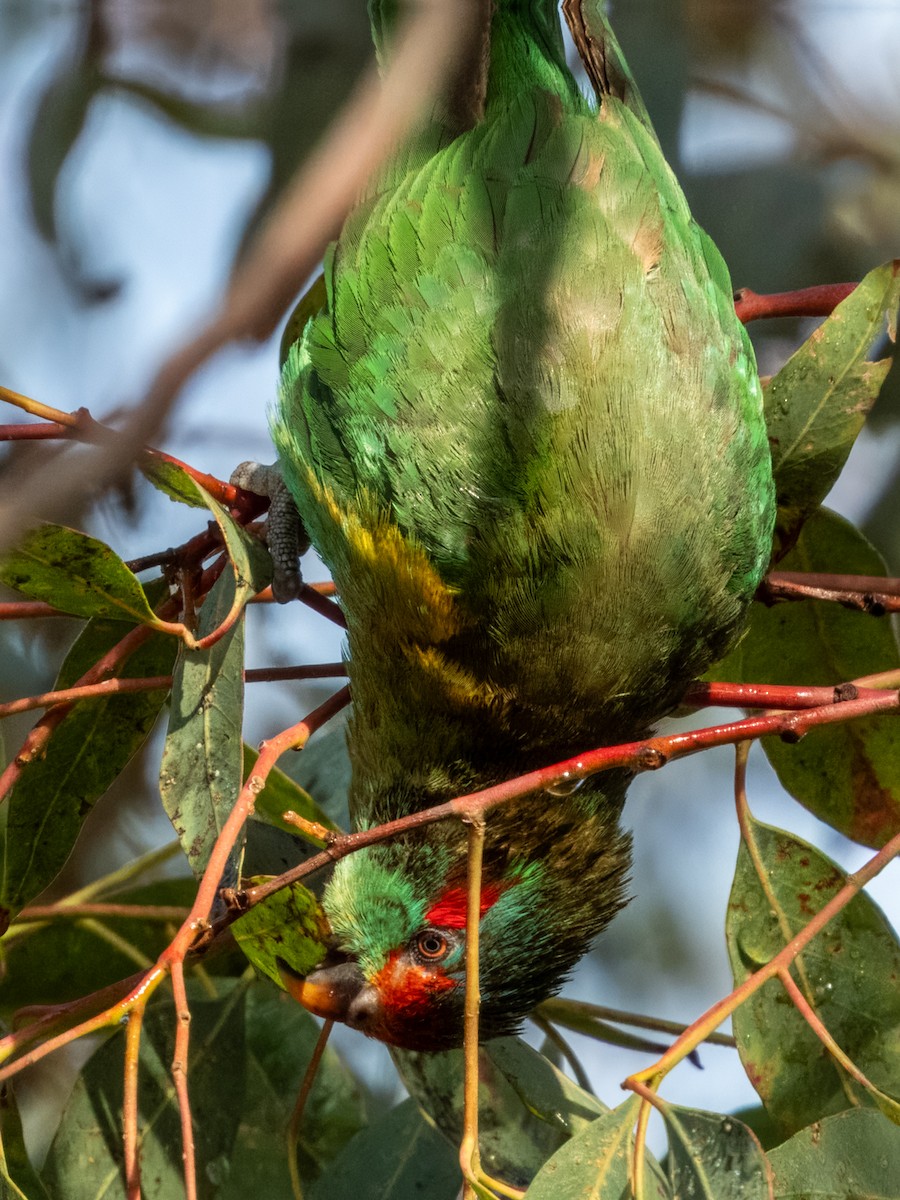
525, 431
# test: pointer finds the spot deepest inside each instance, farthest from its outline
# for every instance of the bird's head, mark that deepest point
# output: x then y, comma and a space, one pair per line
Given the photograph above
397, 912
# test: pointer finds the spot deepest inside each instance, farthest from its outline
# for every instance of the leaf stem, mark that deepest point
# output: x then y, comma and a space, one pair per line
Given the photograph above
296, 1122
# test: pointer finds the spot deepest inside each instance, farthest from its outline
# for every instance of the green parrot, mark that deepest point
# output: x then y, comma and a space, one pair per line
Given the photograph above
524, 429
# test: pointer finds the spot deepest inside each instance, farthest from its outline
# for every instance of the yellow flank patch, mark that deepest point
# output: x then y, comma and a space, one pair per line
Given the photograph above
381, 566
457, 685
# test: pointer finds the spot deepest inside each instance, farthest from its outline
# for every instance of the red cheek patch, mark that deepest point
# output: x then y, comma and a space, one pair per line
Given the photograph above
450, 909
407, 988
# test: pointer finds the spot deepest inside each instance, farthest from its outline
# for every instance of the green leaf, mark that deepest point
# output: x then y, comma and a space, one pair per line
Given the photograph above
172, 480
288, 925
85, 1157
282, 794
768, 1132
544, 1090
280, 1038
527, 1108
852, 1156
85, 754
595, 1165
18, 1178
848, 775
399, 1156
712, 1157
200, 774
61, 960
817, 403
200, 777
848, 973
76, 574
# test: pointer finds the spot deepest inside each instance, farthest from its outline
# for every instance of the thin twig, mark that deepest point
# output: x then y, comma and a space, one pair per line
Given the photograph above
469, 1156
20, 610
777, 696
34, 431
180, 1078
296, 1122
870, 594
45, 912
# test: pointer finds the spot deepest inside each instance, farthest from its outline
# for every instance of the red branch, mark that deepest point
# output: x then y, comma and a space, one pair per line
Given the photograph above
872, 594
34, 431
769, 695
818, 301
647, 755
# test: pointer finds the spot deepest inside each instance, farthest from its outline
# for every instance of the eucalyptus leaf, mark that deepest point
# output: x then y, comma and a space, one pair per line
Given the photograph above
85, 1157
817, 403
400, 1155
854, 1155
75, 573
596, 1164
527, 1108
714, 1157
201, 770
288, 925
848, 974
280, 1039
85, 755
58, 122
18, 1178
172, 480
847, 774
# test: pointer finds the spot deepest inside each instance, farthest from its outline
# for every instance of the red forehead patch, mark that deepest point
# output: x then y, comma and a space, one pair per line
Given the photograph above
450, 909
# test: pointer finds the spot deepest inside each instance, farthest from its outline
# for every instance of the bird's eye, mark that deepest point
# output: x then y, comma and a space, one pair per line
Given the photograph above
431, 944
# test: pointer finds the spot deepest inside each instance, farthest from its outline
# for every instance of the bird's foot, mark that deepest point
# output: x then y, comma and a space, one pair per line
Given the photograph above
286, 536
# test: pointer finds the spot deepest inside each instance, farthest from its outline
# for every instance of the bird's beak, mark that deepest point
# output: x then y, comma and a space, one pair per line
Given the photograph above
337, 992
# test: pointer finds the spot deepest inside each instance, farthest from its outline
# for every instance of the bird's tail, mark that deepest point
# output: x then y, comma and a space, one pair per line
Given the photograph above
509, 40
518, 44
